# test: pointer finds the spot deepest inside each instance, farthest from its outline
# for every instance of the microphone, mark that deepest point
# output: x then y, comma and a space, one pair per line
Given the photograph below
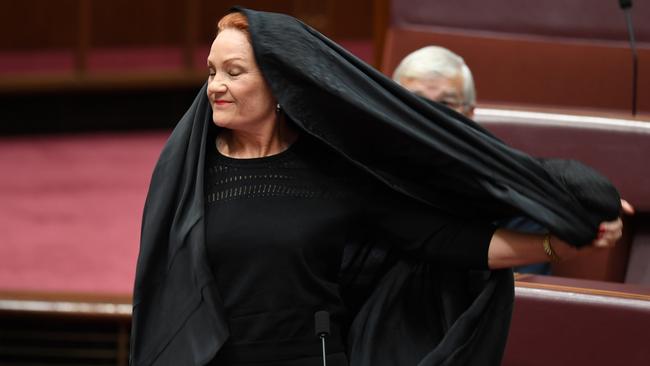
626, 5
322, 327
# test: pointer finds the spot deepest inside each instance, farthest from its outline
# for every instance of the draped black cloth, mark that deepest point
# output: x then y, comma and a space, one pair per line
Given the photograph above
409, 313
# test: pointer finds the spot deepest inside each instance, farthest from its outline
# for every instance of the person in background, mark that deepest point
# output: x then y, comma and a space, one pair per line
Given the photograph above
440, 75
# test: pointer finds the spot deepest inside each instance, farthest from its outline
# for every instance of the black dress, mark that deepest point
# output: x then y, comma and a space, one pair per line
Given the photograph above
276, 231
423, 151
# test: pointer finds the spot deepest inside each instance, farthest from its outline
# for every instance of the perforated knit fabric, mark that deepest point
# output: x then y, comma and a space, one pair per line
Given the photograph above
251, 181
275, 253
276, 230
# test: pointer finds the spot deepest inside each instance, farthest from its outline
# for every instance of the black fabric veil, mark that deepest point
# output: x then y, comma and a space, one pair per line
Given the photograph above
414, 314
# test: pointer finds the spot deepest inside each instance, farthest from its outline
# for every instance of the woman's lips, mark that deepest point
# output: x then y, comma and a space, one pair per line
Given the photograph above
222, 102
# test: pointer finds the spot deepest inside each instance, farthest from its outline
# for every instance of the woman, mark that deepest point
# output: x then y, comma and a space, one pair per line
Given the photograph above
306, 181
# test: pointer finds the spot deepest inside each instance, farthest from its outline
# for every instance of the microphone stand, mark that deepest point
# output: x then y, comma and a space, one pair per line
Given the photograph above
322, 326
322, 338
626, 5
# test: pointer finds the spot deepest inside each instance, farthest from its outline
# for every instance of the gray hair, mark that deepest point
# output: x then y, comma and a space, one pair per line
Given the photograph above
434, 61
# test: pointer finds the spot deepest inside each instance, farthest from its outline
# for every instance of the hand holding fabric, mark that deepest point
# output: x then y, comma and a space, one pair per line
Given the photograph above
609, 233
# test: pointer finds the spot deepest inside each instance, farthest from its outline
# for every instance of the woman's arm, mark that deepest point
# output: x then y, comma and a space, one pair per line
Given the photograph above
510, 249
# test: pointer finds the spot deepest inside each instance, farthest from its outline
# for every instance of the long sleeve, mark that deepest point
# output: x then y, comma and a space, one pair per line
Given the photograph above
421, 233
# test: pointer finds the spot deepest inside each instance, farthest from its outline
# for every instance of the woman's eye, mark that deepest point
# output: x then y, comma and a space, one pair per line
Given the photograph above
234, 72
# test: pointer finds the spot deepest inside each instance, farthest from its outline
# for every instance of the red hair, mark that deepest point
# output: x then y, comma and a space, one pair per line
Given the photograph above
234, 20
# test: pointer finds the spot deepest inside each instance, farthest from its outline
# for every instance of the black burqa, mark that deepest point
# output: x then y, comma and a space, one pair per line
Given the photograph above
414, 314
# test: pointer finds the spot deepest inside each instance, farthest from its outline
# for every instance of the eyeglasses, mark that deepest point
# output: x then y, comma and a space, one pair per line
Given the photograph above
453, 104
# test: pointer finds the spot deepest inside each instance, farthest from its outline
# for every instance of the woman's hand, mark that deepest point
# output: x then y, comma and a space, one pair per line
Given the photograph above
510, 249
627, 207
609, 233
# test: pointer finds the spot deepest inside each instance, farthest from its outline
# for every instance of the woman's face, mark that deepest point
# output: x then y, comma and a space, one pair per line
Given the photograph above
239, 95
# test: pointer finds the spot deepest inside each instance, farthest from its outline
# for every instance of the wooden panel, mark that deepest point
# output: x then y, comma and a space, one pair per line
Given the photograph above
350, 19
29, 24
37, 339
39, 24
381, 16
581, 286
212, 11
338, 19
137, 23
313, 12
118, 36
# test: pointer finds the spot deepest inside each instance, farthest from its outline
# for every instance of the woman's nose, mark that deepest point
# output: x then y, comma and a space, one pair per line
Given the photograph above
216, 85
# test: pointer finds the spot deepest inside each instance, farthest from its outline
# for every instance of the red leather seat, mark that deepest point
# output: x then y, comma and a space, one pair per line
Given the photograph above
559, 321
555, 53
617, 148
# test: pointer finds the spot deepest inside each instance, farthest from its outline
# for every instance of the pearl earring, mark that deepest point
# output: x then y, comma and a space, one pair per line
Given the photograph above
278, 108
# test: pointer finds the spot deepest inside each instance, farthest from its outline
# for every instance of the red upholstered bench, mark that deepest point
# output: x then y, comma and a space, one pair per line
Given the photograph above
554, 53
560, 321
619, 149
